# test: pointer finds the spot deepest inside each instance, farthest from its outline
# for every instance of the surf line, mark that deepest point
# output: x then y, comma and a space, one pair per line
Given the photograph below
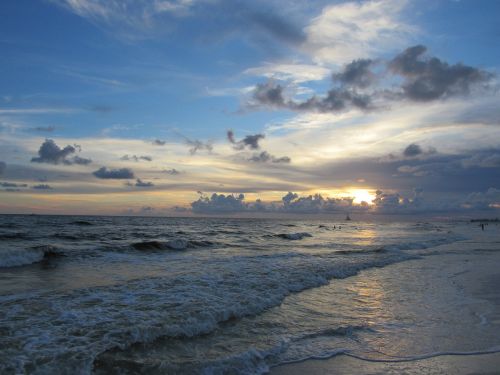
493, 350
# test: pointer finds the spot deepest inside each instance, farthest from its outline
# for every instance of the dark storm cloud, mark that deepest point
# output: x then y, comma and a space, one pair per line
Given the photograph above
118, 174
51, 153
250, 141
266, 157
427, 79
423, 79
356, 74
412, 150
42, 187
136, 158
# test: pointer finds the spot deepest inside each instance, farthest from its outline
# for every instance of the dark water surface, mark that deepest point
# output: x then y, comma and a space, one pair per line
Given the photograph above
190, 295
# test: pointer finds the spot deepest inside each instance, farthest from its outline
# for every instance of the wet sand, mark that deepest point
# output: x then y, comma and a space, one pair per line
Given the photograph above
486, 364
469, 277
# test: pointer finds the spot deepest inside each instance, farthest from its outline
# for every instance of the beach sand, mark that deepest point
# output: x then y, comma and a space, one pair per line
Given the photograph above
456, 297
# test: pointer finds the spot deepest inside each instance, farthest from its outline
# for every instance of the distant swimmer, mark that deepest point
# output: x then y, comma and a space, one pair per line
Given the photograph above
482, 226
334, 227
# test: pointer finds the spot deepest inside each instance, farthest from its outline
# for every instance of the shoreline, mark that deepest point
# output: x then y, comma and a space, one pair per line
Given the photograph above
486, 363
473, 274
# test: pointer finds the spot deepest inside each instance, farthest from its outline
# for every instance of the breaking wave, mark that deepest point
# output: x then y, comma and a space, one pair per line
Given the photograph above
175, 244
294, 236
21, 257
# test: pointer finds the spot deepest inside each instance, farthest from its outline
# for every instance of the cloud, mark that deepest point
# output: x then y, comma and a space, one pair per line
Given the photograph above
356, 86
343, 31
265, 157
78, 160
12, 185
42, 187
483, 159
356, 74
269, 94
427, 79
127, 16
159, 142
297, 73
291, 203
136, 158
197, 145
412, 150
250, 141
140, 183
219, 203
51, 153
35, 111
483, 201
336, 100
172, 171
122, 173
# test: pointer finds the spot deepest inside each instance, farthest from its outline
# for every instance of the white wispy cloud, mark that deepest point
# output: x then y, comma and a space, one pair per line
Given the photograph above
35, 111
138, 15
351, 30
296, 73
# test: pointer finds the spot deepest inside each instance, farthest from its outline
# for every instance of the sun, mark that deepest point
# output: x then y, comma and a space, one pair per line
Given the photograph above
362, 195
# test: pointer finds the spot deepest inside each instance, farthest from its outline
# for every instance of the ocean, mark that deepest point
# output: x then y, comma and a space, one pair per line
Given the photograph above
134, 295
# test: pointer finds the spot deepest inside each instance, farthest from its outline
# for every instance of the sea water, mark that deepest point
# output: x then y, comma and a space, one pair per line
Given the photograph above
82, 295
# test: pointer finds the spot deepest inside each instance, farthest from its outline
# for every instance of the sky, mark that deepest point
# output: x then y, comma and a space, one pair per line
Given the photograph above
228, 107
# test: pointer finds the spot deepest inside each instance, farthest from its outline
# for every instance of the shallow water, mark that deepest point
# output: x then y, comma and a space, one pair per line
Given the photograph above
163, 295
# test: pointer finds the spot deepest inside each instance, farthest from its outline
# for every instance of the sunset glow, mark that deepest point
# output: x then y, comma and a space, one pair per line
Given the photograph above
136, 113
362, 195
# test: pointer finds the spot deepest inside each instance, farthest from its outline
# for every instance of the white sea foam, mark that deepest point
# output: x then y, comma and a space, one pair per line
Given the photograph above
294, 236
65, 331
81, 325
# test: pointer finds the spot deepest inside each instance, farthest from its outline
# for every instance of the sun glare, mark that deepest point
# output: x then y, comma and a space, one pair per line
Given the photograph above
362, 195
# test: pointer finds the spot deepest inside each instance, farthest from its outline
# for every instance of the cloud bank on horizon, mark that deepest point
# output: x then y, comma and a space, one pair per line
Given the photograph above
269, 106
